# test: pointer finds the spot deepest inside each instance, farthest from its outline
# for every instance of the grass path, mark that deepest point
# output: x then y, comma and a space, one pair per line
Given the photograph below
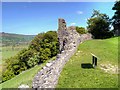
75, 76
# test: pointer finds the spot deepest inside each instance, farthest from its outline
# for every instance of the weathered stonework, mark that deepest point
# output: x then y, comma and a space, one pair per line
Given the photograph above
68, 37
69, 40
62, 33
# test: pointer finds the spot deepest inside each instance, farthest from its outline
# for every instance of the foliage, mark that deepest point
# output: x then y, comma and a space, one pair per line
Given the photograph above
81, 30
8, 74
33, 60
25, 55
99, 25
116, 18
13, 67
36, 42
46, 44
45, 54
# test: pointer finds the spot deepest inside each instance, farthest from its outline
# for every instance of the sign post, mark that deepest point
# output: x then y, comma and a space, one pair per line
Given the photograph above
94, 60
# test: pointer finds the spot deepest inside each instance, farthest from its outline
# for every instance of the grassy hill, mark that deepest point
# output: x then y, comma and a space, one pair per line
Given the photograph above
9, 38
76, 76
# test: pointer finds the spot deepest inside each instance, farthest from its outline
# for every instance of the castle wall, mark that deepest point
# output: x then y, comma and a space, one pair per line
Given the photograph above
69, 40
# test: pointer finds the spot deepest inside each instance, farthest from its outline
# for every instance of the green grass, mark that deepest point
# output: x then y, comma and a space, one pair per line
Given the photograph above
8, 52
23, 78
74, 76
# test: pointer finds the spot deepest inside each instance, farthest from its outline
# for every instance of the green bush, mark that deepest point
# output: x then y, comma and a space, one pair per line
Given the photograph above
47, 40
81, 30
25, 56
13, 67
45, 54
54, 48
18, 67
8, 74
36, 42
33, 60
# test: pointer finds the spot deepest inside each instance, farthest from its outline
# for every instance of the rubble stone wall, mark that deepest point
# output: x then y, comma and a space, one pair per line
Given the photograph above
69, 40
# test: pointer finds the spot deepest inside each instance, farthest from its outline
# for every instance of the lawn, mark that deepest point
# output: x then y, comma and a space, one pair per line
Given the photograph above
24, 78
74, 75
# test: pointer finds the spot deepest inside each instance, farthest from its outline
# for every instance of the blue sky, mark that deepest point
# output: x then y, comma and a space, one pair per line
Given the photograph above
37, 17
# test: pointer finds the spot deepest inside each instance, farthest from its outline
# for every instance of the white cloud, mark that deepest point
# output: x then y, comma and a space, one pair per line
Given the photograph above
72, 24
87, 19
79, 12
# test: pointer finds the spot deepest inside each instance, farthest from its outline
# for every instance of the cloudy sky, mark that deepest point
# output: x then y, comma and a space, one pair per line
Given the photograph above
37, 17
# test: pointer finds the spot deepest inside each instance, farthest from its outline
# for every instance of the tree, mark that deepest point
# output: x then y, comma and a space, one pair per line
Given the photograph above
99, 25
116, 18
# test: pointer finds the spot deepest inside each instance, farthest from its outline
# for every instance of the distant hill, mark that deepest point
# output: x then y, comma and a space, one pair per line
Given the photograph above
16, 39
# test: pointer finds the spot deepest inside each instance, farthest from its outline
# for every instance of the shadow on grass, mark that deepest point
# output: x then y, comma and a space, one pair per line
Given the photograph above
86, 65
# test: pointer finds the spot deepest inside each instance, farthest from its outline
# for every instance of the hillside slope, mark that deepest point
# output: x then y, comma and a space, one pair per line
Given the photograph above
9, 38
74, 75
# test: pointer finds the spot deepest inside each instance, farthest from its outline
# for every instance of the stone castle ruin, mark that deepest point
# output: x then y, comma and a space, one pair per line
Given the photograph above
62, 32
69, 40
68, 37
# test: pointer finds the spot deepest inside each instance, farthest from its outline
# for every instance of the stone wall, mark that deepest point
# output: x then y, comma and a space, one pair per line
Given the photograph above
69, 40
62, 32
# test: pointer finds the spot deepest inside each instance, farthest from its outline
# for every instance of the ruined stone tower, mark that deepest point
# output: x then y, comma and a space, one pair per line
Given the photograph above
62, 32
68, 37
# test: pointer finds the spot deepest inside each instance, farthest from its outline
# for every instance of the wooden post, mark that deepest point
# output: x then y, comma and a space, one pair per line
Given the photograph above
94, 60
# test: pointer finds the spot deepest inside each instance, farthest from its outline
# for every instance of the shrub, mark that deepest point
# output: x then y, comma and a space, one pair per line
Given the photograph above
25, 56
44, 54
8, 74
81, 30
33, 60
44, 44
19, 67
54, 48
13, 67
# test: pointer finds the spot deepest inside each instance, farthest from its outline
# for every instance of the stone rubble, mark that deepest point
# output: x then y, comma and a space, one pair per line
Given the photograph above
69, 40
109, 68
23, 86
